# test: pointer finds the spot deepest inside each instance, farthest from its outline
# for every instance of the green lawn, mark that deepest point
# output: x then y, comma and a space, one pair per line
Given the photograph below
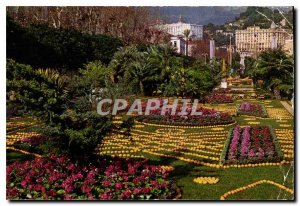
12, 156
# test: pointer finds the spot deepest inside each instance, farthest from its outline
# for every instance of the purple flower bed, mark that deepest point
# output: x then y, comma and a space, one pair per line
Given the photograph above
251, 145
58, 178
252, 109
31, 144
234, 143
33, 141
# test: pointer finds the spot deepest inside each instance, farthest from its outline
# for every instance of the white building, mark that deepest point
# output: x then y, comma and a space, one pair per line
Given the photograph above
177, 29
178, 43
255, 40
288, 46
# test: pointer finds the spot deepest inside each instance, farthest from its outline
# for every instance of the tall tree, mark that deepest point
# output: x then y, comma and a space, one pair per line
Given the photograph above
121, 61
161, 57
141, 71
186, 34
131, 24
276, 69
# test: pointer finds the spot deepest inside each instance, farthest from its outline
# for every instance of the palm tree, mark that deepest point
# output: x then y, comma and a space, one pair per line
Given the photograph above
121, 61
276, 69
141, 70
160, 56
186, 34
58, 85
54, 77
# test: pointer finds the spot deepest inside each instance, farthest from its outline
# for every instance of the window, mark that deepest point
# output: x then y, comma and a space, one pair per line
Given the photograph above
175, 44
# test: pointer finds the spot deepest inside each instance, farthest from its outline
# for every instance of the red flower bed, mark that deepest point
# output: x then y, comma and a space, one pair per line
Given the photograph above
143, 105
251, 145
227, 91
218, 99
58, 178
207, 117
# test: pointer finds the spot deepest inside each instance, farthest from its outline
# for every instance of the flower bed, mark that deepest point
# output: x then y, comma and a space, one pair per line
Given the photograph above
209, 117
251, 145
228, 91
31, 144
252, 109
218, 99
206, 180
58, 178
232, 192
143, 105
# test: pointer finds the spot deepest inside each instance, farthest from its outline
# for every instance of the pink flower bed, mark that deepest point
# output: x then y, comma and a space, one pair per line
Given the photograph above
58, 178
251, 144
252, 109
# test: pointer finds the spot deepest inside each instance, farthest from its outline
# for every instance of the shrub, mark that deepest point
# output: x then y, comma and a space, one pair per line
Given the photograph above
31, 144
71, 125
44, 46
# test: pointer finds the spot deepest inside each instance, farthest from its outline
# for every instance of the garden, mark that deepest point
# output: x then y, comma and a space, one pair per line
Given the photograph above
59, 148
188, 161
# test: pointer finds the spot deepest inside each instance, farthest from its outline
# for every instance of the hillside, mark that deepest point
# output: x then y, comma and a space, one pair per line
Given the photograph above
198, 15
241, 16
262, 17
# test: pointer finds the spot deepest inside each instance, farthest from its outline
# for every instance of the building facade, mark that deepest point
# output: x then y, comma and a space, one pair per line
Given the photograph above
289, 45
178, 43
254, 40
177, 29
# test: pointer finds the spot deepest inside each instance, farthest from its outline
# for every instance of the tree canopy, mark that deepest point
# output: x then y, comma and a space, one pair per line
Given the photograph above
276, 69
42, 46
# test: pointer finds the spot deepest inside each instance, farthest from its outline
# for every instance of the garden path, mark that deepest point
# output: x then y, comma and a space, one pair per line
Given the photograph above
288, 107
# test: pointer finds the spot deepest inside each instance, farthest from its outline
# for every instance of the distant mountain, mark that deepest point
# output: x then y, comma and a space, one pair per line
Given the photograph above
217, 15
198, 15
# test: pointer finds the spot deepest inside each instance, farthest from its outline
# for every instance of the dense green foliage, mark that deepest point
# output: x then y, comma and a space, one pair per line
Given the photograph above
157, 70
252, 17
44, 46
249, 66
39, 91
199, 81
222, 39
71, 126
276, 69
